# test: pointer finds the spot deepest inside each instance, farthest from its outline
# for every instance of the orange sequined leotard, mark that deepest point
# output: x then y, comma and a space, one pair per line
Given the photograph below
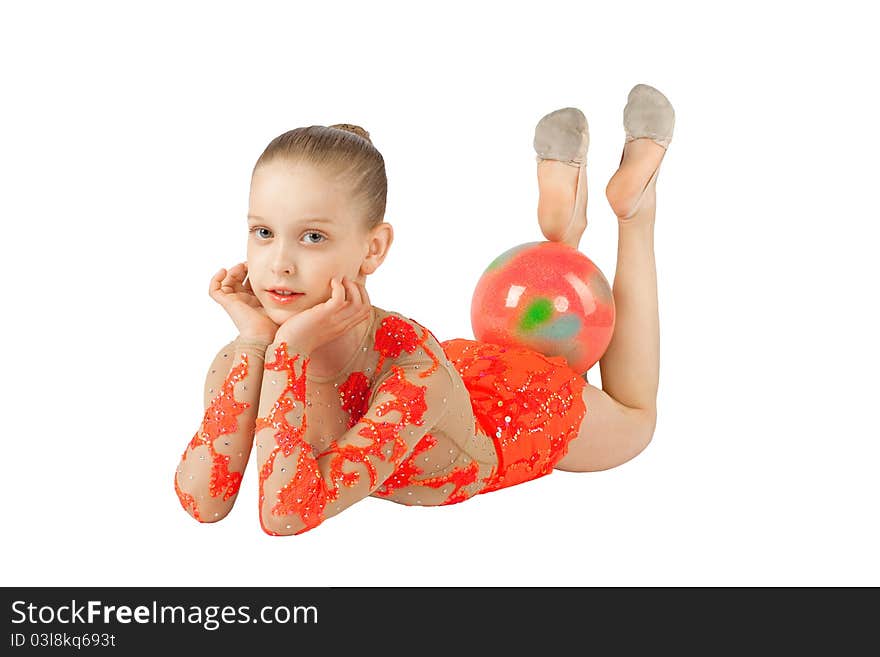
408, 419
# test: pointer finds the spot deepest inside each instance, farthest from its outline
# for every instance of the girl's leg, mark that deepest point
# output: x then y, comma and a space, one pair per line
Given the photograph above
562, 201
631, 365
621, 417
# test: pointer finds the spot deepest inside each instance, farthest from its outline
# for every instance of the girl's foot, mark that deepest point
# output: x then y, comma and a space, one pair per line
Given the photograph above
561, 142
633, 186
648, 120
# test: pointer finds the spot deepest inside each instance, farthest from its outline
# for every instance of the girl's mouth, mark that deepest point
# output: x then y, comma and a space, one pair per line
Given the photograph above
283, 298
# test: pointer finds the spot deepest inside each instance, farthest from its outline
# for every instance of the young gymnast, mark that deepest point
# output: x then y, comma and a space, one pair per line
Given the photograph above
346, 400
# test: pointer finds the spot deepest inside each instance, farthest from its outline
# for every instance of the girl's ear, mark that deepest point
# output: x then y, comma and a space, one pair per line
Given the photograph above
380, 241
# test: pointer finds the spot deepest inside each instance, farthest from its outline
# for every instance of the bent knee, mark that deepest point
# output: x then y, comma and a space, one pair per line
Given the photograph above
611, 443
600, 462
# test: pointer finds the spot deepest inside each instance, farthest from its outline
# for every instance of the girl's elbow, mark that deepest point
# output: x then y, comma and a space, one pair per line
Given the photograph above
214, 516
283, 525
204, 511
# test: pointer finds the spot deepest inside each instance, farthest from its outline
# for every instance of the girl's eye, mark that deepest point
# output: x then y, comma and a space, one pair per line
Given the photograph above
257, 229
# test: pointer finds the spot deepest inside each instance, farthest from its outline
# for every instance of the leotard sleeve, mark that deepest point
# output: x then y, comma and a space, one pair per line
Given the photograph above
299, 487
209, 474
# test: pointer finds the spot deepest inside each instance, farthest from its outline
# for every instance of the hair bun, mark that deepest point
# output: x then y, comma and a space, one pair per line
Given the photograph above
356, 129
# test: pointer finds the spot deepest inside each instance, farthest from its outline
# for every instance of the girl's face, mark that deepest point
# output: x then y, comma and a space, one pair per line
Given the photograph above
303, 231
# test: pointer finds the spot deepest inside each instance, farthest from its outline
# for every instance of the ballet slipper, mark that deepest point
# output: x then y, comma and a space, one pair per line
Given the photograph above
648, 114
564, 136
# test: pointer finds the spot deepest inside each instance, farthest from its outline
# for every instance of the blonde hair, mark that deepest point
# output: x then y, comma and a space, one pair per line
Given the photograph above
342, 149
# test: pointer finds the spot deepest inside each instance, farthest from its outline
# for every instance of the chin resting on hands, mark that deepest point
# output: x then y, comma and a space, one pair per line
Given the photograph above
306, 331
229, 289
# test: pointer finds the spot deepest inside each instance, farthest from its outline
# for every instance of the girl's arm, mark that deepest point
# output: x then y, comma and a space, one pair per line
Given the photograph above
300, 488
210, 470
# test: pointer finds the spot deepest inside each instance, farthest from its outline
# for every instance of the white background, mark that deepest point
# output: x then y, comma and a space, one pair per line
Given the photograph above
128, 137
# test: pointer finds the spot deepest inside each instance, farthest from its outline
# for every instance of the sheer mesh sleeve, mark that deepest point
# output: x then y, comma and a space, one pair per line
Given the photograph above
210, 471
300, 488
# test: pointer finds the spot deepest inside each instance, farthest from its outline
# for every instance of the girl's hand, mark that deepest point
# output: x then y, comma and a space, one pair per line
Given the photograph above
308, 330
239, 301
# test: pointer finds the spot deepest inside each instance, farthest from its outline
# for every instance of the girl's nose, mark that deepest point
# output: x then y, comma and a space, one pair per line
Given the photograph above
282, 262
